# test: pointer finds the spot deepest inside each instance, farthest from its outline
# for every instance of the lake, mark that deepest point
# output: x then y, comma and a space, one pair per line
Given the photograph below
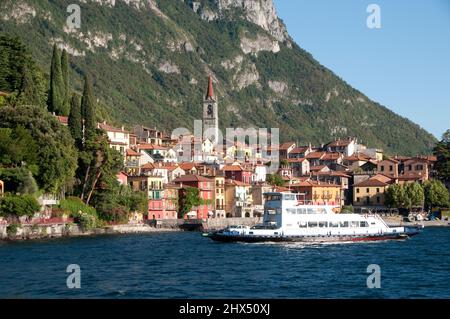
186, 265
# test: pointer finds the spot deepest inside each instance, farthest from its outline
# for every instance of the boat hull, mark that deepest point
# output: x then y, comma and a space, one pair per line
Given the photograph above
307, 239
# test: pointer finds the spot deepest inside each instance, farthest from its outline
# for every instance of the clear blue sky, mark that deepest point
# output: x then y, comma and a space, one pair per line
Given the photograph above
405, 65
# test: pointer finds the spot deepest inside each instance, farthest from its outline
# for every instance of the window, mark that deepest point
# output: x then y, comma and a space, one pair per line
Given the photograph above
323, 224
343, 224
367, 190
378, 190
391, 168
302, 224
354, 224
312, 224
382, 168
333, 224
378, 199
311, 211
357, 190
410, 167
291, 211
301, 210
364, 224
358, 199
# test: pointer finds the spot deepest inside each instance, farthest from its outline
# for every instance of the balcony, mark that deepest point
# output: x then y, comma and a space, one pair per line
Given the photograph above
132, 163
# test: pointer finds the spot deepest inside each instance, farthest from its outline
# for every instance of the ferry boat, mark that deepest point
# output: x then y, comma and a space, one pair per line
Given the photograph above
288, 217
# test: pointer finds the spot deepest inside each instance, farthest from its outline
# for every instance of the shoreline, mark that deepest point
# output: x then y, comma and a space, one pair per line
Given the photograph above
38, 232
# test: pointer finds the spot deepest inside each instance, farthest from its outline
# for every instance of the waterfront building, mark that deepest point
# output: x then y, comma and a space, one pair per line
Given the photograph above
206, 189
219, 195
132, 166
370, 193
346, 146
299, 166
285, 149
319, 193
314, 158
389, 167
148, 135
238, 199
238, 173
300, 152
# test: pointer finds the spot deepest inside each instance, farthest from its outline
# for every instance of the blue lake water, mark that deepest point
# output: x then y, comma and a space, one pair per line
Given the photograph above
186, 265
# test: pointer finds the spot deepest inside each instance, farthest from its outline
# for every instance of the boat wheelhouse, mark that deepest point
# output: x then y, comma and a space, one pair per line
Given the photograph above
289, 217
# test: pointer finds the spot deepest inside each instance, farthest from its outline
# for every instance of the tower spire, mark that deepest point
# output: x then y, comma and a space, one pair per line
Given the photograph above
210, 91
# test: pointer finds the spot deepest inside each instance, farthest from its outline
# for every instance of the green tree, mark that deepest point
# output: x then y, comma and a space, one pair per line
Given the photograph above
275, 180
66, 82
55, 151
88, 108
436, 194
442, 152
190, 197
56, 96
395, 196
19, 74
414, 195
18, 148
28, 92
75, 119
18, 180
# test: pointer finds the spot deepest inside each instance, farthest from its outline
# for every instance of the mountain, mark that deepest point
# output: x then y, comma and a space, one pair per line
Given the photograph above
150, 60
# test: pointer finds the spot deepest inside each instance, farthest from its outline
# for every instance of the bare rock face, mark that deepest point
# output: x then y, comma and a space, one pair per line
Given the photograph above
261, 43
260, 12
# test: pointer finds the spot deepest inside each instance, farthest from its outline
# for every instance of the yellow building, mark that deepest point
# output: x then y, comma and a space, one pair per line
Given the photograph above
219, 196
320, 193
369, 193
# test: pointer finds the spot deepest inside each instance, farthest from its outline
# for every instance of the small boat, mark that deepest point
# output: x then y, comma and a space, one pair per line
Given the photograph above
289, 218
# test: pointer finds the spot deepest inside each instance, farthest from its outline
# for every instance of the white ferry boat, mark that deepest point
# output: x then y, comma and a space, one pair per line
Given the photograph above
287, 217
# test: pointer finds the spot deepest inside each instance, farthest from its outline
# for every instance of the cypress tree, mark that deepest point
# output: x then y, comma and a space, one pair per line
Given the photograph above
88, 108
28, 92
65, 77
75, 119
56, 93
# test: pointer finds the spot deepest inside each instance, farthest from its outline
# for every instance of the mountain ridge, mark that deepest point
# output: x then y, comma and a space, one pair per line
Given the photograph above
150, 60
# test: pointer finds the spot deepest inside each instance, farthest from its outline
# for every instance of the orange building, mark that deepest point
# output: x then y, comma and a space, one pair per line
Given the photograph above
319, 193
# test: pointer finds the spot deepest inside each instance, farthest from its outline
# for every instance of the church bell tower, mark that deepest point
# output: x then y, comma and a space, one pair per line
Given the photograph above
210, 114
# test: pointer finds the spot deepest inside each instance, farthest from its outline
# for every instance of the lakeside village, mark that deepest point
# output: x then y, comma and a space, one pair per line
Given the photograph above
164, 184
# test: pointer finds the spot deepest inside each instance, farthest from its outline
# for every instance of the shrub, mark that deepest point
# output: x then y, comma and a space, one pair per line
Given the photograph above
14, 205
11, 230
84, 215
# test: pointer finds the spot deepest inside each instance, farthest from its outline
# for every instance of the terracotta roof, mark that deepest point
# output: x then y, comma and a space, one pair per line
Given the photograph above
383, 178
286, 145
148, 166
317, 168
357, 157
315, 155
131, 152
191, 178
187, 166
235, 168
299, 150
110, 128
151, 147
371, 182
331, 156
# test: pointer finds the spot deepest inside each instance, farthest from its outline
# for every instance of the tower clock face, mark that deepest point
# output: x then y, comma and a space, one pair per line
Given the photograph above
210, 109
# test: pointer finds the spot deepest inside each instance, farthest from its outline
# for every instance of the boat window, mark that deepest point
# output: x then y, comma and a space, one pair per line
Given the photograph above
322, 224
312, 224
311, 211
334, 224
278, 211
271, 211
273, 197
301, 210
364, 224
354, 224
289, 197
302, 224
343, 224
291, 211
